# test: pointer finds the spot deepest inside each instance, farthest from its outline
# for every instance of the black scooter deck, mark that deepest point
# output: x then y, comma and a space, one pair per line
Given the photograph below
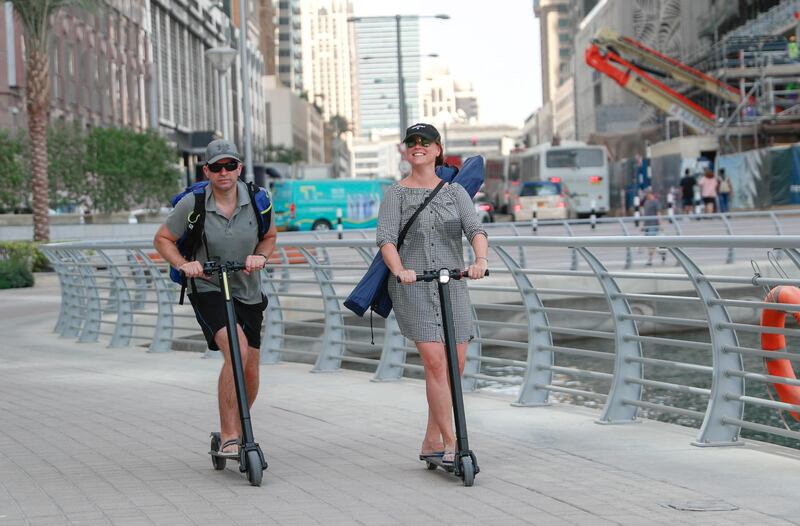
434, 462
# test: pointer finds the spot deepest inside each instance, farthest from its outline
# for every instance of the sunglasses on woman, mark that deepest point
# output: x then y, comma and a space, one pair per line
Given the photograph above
229, 166
411, 142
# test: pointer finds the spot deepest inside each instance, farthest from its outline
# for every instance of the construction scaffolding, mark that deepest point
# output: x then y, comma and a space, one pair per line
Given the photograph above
745, 89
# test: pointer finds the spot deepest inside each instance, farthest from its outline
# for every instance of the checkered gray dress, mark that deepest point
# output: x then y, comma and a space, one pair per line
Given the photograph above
434, 241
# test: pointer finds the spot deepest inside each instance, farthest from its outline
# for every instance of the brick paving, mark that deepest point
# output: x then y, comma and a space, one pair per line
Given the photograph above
91, 435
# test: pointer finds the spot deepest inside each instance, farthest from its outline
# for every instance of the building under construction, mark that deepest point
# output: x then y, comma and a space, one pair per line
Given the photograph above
743, 89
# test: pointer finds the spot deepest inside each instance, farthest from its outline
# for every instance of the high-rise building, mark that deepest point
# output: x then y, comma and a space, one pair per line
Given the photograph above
557, 33
466, 101
443, 99
329, 58
376, 47
290, 53
269, 33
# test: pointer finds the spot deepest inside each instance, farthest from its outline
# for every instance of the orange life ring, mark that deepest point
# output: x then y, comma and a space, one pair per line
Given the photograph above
789, 394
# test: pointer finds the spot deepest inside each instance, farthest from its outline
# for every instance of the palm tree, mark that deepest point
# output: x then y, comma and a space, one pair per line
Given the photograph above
35, 18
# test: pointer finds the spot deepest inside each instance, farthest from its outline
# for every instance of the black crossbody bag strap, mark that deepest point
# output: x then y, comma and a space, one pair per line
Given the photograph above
403, 232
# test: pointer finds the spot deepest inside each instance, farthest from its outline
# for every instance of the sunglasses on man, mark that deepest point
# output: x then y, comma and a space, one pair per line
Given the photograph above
413, 141
229, 166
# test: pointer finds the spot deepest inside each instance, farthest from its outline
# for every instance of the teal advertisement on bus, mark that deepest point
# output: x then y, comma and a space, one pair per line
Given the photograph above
315, 204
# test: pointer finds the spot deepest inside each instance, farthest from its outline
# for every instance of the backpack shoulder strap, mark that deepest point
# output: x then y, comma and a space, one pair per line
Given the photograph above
263, 217
195, 221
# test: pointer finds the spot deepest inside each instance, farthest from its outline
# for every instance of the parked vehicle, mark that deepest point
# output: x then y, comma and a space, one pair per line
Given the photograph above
316, 204
548, 199
582, 168
483, 208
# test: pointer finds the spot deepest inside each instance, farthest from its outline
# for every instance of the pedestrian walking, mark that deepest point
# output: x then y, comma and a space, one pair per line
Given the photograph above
724, 190
708, 190
652, 221
687, 184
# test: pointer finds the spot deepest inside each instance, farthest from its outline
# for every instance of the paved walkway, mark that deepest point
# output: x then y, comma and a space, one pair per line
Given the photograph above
90, 435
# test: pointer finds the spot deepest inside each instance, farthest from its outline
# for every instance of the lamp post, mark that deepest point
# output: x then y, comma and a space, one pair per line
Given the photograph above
221, 59
248, 140
401, 88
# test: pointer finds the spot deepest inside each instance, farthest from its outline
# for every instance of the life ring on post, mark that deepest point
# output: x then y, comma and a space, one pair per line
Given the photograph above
782, 367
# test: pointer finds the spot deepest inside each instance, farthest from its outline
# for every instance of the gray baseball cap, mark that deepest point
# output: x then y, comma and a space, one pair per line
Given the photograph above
221, 149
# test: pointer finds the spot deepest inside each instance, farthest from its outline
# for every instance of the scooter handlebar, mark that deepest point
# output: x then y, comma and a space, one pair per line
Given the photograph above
433, 275
210, 267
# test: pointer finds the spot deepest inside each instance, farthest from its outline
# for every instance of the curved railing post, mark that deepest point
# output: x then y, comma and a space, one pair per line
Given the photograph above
729, 230
794, 255
533, 391
616, 410
329, 358
393, 353
272, 343
93, 313
68, 324
523, 263
726, 388
162, 334
472, 365
139, 280
124, 325
285, 274
574, 259
777, 223
628, 251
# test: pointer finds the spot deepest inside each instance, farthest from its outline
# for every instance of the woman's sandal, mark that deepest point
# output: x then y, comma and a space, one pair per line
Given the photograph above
448, 457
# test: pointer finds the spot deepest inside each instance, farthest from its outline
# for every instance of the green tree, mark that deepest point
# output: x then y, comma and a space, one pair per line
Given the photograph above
66, 155
282, 154
15, 174
339, 124
127, 170
35, 17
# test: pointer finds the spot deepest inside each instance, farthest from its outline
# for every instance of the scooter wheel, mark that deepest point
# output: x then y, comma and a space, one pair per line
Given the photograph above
254, 469
467, 471
431, 465
217, 462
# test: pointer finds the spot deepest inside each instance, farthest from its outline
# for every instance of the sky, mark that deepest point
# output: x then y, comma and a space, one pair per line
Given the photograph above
493, 44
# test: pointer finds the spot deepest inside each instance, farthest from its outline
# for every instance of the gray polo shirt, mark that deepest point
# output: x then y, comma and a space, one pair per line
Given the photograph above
228, 240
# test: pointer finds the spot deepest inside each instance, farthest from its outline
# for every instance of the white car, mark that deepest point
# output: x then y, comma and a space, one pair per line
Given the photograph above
547, 198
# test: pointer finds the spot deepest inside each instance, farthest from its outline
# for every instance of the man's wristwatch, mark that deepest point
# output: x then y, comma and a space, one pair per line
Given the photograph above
266, 259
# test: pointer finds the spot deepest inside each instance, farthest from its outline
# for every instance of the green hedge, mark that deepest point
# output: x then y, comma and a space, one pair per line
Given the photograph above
25, 251
14, 273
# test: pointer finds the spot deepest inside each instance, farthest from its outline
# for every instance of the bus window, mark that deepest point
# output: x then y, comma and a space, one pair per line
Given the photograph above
528, 170
575, 158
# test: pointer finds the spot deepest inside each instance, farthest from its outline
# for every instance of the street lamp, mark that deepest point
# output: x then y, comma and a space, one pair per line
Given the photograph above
400, 79
221, 59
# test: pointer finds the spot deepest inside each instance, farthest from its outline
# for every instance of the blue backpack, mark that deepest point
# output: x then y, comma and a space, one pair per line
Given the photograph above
190, 241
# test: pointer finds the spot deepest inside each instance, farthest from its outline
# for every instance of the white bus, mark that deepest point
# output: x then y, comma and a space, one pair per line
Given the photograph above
495, 182
581, 169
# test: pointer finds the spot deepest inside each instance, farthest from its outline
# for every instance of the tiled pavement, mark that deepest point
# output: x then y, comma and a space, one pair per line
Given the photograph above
91, 435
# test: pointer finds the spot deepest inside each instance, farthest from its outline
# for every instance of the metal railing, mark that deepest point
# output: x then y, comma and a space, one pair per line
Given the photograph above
678, 340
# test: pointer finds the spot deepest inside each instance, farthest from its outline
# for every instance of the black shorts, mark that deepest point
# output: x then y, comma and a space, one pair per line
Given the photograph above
709, 200
687, 201
209, 308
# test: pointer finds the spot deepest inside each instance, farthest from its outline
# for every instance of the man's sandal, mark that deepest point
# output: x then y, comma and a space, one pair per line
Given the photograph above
228, 443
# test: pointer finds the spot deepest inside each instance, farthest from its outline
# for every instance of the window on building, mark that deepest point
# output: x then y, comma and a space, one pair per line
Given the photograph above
565, 52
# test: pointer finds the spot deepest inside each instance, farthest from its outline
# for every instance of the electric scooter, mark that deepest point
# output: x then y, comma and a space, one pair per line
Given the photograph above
251, 459
465, 464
